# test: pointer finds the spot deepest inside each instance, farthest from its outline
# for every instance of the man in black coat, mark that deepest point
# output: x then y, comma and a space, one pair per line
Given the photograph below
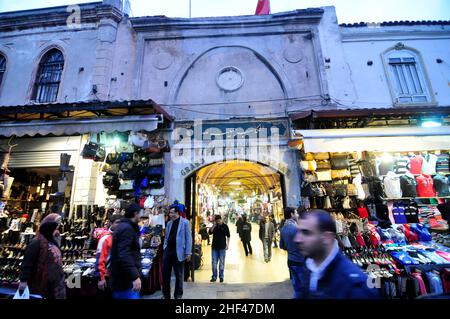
126, 257
245, 232
266, 233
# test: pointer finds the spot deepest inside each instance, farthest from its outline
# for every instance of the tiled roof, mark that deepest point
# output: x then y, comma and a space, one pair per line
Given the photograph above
396, 23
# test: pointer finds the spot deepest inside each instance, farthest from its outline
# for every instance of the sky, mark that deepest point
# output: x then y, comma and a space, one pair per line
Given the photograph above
348, 11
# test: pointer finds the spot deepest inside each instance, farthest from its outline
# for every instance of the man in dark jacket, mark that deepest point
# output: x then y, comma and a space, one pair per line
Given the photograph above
296, 261
329, 274
126, 256
246, 235
266, 233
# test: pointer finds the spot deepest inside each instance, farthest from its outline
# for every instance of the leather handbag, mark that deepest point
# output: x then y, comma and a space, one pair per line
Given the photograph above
340, 173
323, 164
309, 157
339, 161
111, 181
329, 190
327, 203
307, 189
93, 151
321, 156
340, 190
352, 190
324, 176
126, 166
308, 165
113, 158
312, 177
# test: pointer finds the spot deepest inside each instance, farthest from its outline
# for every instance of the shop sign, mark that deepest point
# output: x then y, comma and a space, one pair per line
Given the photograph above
191, 168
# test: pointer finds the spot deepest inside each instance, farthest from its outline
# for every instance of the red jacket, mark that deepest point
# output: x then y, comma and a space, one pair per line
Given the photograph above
103, 261
425, 186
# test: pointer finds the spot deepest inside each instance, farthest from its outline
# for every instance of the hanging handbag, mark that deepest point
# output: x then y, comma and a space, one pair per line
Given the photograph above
126, 185
329, 189
155, 171
346, 203
149, 202
126, 166
307, 189
113, 158
308, 165
327, 203
93, 151
340, 190
312, 177
352, 190
321, 156
339, 161
324, 176
111, 181
340, 174
324, 164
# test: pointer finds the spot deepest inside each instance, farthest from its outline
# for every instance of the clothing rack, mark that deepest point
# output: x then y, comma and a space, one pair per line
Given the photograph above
425, 268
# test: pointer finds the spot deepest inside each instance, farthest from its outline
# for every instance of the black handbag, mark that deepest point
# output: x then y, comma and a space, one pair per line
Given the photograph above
340, 190
111, 181
93, 151
307, 189
113, 158
339, 161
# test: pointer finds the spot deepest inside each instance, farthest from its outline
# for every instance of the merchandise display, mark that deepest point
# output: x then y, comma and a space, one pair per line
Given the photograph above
391, 215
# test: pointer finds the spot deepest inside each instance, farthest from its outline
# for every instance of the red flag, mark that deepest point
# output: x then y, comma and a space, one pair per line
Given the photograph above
263, 7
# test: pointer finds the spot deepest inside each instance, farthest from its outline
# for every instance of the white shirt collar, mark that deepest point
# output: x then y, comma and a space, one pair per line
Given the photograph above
321, 268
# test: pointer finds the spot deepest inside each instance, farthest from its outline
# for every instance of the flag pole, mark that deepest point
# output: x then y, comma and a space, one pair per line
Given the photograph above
190, 9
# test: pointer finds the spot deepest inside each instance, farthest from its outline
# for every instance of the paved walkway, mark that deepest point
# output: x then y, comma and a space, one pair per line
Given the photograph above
245, 277
277, 290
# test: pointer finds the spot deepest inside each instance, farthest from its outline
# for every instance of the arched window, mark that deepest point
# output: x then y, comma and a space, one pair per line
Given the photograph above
2, 67
406, 77
48, 77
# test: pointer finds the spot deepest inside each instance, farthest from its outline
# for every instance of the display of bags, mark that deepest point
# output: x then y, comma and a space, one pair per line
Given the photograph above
324, 176
93, 151
312, 177
340, 174
321, 156
307, 189
113, 158
308, 165
111, 181
352, 190
323, 164
126, 185
340, 190
339, 161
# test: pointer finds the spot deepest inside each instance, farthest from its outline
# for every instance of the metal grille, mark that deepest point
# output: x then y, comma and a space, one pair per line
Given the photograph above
49, 77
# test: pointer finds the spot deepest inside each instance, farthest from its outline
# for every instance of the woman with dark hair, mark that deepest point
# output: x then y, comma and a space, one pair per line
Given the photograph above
42, 268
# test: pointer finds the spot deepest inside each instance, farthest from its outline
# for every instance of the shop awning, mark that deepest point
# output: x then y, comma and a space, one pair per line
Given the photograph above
80, 126
376, 139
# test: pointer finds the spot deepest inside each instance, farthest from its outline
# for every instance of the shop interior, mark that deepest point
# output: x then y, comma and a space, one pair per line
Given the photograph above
232, 189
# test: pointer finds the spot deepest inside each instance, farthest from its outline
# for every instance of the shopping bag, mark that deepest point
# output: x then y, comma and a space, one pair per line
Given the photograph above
24, 295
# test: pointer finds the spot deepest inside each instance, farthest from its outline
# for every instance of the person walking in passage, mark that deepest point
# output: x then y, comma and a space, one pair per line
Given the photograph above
126, 265
328, 274
295, 261
266, 233
220, 242
42, 269
246, 235
177, 249
103, 257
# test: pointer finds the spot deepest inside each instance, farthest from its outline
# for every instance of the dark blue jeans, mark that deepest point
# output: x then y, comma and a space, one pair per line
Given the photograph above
218, 255
297, 280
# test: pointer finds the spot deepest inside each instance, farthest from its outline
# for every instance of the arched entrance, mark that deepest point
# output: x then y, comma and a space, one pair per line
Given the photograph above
232, 188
